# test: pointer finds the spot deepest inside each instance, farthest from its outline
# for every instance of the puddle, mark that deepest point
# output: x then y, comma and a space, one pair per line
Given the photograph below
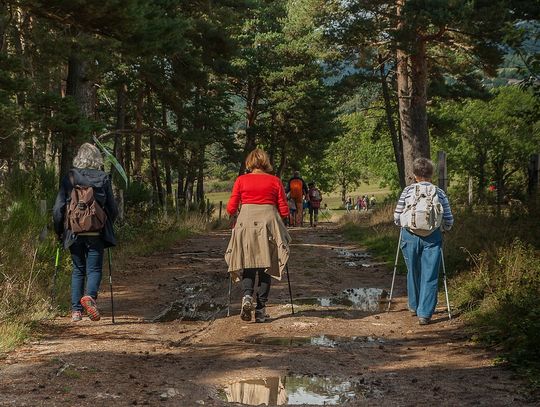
363, 299
348, 254
293, 390
323, 341
195, 305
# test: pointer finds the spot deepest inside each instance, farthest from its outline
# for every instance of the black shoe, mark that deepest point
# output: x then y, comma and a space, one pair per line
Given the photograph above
247, 307
423, 321
261, 315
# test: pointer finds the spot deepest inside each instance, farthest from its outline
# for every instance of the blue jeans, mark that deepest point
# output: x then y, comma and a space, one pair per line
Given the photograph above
87, 257
423, 258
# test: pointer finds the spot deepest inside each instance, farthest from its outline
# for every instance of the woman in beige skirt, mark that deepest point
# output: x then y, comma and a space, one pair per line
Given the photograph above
260, 241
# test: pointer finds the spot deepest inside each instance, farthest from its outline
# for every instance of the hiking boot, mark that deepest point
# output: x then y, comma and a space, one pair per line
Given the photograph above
89, 304
261, 315
423, 321
76, 316
413, 312
247, 307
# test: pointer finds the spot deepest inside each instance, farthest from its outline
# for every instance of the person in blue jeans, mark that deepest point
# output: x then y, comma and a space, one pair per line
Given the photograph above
422, 254
86, 248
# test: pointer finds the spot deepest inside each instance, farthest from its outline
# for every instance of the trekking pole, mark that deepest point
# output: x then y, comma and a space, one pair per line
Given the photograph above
229, 301
445, 285
56, 266
290, 290
110, 283
395, 269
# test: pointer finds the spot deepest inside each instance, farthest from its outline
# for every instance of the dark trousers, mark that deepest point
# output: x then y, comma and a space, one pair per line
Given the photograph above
87, 257
313, 211
248, 285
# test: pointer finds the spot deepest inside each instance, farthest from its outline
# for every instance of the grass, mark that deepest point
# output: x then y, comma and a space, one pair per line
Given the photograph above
494, 265
333, 200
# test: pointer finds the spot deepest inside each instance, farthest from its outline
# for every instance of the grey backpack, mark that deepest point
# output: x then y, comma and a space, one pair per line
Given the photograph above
423, 211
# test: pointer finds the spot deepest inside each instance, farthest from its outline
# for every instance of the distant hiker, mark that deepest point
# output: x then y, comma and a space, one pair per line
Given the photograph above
422, 211
365, 201
348, 204
292, 211
260, 242
358, 205
297, 190
315, 198
372, 201
83, 214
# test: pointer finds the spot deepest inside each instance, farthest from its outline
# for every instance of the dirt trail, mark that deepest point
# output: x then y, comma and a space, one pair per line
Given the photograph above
378, 358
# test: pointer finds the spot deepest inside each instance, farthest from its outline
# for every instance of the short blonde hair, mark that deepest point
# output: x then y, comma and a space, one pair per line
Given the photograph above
259, 160
88, 156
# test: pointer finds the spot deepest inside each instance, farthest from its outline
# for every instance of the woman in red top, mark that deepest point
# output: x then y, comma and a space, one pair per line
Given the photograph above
260, 241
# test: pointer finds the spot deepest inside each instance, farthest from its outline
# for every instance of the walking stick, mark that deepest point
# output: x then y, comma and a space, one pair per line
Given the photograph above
395, 269
290, 290
110, 283
56, 266
445, 285
229, 301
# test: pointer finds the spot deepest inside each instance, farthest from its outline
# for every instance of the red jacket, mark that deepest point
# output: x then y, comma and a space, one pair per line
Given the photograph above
259, 189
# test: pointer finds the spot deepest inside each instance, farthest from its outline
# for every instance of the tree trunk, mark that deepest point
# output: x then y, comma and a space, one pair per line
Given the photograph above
252, 102
397, 143
81, 89
117, 150
200, 175
412, 97
154, 164
282, 161
190, 178
137, 147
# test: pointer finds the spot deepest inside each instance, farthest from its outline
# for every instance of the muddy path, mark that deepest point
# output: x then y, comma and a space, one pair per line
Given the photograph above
340, 347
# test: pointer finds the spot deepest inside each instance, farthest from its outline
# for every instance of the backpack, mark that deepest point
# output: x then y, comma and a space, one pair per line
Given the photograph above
315, 198
84, 214
296, 186
423, 212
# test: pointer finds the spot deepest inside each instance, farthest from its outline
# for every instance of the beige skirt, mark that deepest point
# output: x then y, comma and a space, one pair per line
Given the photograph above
259, 240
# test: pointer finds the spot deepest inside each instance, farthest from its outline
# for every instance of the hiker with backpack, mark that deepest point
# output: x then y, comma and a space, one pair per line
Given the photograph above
315, 198
84, 213
297, 190
260, 241
423, 212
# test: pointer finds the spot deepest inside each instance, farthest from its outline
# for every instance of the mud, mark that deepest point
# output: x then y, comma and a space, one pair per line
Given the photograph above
363, 358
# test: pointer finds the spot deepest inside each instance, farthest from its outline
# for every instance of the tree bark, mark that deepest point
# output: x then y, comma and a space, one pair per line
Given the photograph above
252, 104
81, 89
154, 164
200, 175
412, 95
117, 149
137, 147
397, 142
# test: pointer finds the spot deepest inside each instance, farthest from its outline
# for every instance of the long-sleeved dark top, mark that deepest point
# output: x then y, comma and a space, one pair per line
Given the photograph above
101, 183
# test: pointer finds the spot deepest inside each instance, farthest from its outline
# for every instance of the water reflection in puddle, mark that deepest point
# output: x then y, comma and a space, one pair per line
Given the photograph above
292, 390
324, 341
363, 299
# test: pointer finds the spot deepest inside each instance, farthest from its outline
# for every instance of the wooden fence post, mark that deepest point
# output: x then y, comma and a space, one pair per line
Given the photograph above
442, 171
220, 209
470, 195
207, 209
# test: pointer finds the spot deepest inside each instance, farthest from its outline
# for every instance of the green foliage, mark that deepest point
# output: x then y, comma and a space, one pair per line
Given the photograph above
490, 140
